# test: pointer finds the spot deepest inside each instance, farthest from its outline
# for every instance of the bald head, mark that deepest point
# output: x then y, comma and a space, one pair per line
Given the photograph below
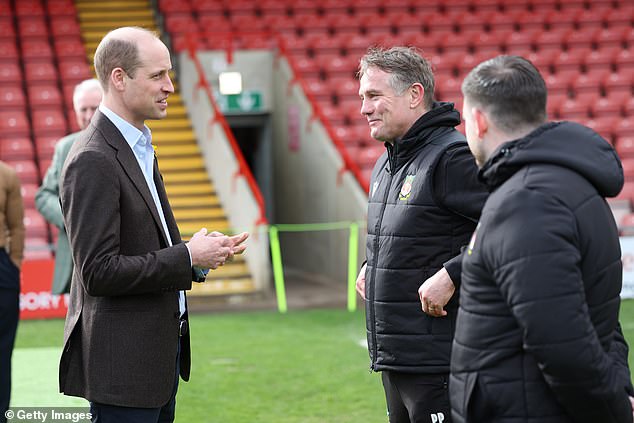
120, 49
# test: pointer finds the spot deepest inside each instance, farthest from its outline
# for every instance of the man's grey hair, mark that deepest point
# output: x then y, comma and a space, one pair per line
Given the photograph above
510, 89
84, 87
406, 65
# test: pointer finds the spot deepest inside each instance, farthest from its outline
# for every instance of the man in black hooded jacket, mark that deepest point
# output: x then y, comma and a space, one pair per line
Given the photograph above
424, 203
537, 336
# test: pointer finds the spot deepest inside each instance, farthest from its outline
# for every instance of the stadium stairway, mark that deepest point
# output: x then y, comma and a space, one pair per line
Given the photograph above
192, 195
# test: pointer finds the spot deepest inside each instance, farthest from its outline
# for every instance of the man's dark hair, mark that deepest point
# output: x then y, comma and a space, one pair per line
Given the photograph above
406, 66
510, 89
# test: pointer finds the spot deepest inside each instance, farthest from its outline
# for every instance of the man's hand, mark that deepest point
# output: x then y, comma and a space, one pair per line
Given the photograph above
436, 292
209, 251
360, 284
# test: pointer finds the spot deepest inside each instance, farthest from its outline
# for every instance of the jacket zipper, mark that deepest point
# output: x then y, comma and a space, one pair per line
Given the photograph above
377, 232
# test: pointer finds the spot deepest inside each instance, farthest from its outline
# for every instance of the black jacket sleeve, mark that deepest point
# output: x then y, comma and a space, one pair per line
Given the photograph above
458, 189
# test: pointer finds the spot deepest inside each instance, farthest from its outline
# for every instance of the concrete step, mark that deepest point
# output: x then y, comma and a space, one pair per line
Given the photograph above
172, 136
199, 214
193, 189
177, 151
194, 201
169, 123
186, 177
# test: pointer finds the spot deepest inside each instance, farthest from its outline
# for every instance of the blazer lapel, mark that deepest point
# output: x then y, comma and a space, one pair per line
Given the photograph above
167, 209
130, 166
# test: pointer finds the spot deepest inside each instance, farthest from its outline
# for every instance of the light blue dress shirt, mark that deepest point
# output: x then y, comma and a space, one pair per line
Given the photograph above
141, 144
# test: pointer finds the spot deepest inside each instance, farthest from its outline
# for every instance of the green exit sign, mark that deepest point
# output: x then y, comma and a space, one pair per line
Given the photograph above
247, 101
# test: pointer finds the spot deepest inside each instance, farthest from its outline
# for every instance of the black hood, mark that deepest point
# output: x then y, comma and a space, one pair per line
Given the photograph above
440, 117
565, 144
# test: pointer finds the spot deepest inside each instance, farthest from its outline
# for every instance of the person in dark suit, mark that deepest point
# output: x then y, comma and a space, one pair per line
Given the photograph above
86, 99
11, 250
126, 336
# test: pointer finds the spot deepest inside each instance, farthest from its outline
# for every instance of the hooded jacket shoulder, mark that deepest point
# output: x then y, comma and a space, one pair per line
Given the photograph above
543, 269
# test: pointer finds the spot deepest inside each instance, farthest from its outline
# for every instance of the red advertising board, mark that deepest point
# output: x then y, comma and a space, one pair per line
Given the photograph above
36, 300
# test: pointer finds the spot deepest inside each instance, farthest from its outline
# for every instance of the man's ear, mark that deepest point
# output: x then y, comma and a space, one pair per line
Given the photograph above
417, 93
117, 79
481, 121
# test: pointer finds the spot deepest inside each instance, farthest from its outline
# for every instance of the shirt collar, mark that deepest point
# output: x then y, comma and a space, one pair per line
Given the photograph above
130, 133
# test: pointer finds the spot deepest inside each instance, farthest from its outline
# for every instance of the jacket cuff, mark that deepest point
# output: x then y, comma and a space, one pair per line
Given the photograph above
454, 269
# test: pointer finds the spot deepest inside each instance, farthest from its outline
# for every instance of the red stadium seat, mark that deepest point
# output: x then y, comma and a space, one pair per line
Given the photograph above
49, 122
29, 8
555, 37
282, 24
45, 146
356, 135
174, 6
14, 124
12, 98
28, 195
273, 8
16, 148
625, 147
35, 224
59, 8
590, 81
618, 81
577, 109
36, 50
248, 22
41, 72
369, 155
612, 36
74, 70
588, 19
180, 23
611, 105
624, 128
560, 81
26, 170
603, 58
9, 51
521, 40
626, 223
625, 59
554, 103
344, 87
571, 59
32, 27
208, 7
10, 74
69, 48
628, 168
65, 27
339, 65
44, 96
619, 17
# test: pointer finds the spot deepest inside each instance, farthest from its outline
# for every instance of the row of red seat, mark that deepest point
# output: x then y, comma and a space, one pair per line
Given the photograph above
27, 8
555, 23
318, 7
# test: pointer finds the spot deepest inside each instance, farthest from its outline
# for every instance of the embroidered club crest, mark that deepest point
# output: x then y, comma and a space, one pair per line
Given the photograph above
406, 189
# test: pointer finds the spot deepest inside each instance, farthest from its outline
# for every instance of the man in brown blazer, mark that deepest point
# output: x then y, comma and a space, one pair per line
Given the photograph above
12, 236
126, 336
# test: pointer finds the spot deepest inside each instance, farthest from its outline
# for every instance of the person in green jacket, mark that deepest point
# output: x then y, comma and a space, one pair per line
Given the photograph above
86, 98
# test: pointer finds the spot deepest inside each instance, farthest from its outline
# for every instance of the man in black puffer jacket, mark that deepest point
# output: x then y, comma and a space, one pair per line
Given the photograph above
424, 203
537, 337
